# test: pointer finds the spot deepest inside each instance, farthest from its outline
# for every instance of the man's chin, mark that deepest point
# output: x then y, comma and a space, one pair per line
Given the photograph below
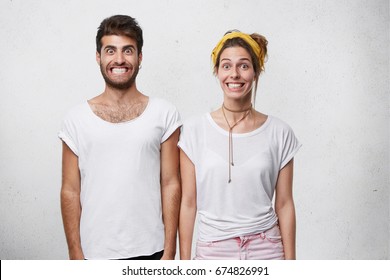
120, 86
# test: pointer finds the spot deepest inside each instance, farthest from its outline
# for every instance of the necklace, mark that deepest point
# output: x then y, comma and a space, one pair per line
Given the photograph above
247, 111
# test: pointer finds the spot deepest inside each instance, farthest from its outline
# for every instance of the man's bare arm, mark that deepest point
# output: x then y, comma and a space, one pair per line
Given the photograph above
70, 202
171, 192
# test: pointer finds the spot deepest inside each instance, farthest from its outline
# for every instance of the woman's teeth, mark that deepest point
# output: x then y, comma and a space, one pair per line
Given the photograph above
234, 85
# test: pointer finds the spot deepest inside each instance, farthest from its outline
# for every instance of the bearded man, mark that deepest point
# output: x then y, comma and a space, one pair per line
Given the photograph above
120, 182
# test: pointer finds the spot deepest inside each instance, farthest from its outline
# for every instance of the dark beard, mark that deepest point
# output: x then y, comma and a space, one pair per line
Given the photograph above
120, 85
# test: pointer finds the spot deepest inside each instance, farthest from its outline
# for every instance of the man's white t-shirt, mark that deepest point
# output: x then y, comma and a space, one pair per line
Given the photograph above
120, 179
244, 206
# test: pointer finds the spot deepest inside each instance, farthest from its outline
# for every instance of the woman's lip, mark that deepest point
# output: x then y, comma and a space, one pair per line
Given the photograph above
235, 85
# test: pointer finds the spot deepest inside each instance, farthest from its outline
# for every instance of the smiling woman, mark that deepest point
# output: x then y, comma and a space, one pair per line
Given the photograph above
255, 46
236, 74
233, 189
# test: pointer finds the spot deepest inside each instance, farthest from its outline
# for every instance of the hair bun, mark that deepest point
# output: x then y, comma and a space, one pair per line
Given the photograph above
262, 41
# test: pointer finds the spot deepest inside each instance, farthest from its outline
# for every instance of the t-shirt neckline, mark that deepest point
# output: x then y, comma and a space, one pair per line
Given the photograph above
245, 134
119, 123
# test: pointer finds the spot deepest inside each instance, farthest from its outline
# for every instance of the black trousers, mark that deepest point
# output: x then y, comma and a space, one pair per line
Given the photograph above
155, 256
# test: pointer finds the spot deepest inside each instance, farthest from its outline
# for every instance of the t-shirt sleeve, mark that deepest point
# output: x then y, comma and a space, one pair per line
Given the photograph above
290, 146
67, 134
172, 122
187, 140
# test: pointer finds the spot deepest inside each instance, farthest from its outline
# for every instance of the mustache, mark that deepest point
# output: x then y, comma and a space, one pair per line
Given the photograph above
121, 65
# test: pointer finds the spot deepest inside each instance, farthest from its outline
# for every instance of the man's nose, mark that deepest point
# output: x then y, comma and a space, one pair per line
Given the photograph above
119, 58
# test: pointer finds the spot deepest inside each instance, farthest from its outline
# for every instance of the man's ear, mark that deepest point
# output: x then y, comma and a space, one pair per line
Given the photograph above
98, 57
140, 59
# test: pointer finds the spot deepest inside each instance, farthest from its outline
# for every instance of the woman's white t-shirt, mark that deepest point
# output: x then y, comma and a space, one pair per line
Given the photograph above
243, 206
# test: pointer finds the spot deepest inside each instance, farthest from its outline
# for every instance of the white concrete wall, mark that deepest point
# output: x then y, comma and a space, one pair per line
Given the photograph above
327, 76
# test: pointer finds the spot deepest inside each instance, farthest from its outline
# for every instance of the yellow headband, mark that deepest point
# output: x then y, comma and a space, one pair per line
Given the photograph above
252, 43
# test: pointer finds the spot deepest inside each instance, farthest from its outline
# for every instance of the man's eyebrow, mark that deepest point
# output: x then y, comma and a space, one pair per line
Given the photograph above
128, 46
110, 47
123, 48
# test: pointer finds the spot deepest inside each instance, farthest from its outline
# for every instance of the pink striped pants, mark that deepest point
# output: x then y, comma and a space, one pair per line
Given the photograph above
261, 246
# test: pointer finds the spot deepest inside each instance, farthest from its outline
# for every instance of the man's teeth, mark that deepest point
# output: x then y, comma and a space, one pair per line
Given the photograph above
119, 70
234, 85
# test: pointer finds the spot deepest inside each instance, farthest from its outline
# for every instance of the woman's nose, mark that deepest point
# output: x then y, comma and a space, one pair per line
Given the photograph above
234, 73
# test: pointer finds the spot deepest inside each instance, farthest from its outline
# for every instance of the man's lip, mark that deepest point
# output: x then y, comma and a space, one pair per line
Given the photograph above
119, 70
119, 67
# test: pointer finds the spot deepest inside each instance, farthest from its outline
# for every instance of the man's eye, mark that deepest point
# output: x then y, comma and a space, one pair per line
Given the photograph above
128, 51
110, 51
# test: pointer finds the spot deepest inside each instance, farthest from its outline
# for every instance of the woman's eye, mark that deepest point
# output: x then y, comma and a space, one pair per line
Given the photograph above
244, 66
226, 66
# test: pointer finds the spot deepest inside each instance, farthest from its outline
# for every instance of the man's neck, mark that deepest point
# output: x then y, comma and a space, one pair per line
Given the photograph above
120, 96
115, 105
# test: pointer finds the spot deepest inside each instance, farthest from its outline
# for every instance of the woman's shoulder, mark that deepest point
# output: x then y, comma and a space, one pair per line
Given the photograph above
194, 124
277, 122
280, 127
195, 120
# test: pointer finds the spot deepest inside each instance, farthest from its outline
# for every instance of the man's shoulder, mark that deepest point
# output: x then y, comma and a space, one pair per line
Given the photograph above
77, 111
161, 107
161, 103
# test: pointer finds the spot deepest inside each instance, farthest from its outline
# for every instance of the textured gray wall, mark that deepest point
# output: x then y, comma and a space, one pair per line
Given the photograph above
327, 76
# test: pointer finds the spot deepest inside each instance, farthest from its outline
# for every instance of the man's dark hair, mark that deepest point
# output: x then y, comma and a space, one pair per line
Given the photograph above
120, 25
